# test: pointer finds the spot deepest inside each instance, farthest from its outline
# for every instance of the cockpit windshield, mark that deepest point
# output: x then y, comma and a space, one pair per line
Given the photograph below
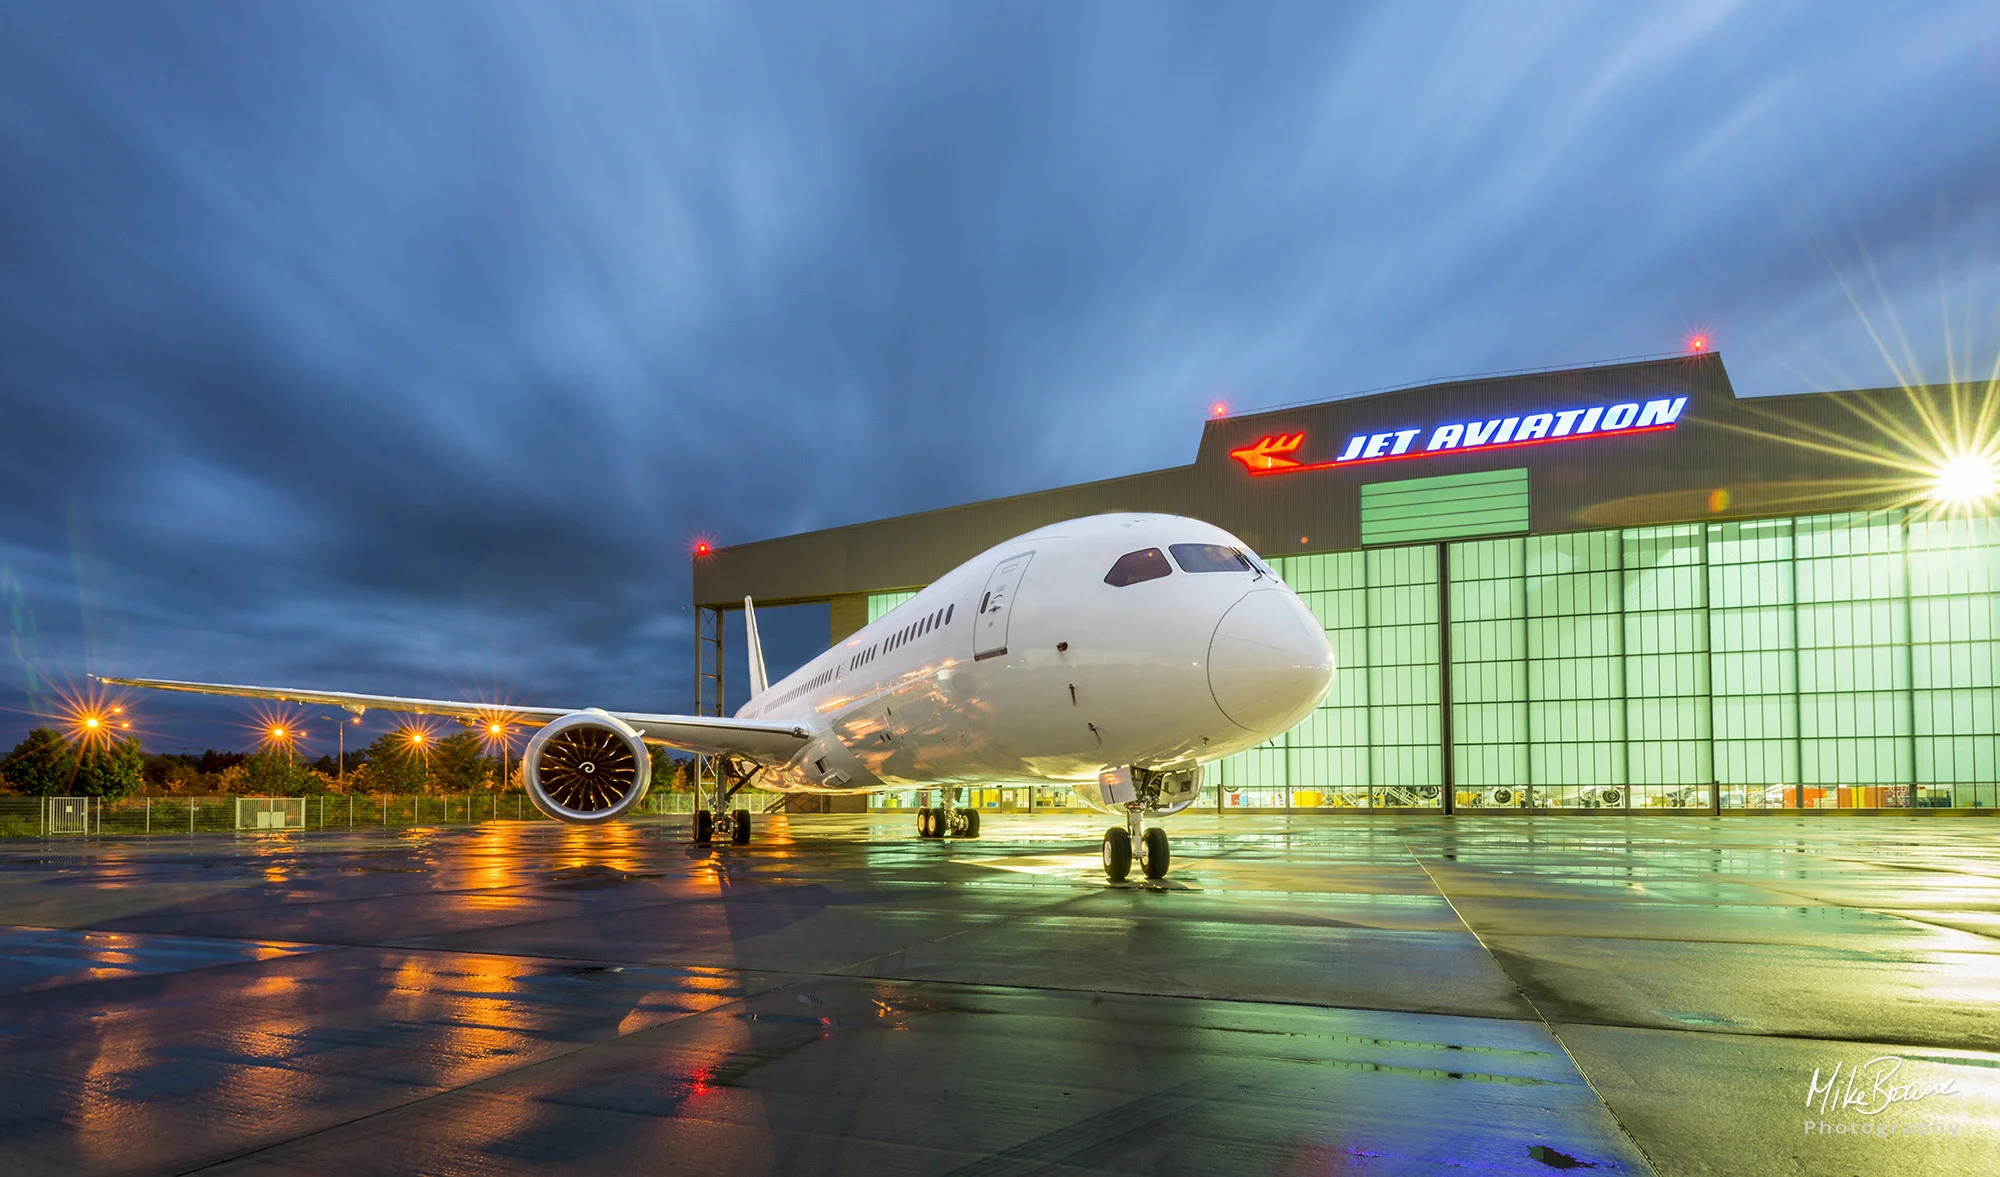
1209, 558
1133, 567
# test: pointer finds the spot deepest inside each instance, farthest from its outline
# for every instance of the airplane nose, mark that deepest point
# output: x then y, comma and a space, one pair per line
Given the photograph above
1268, 663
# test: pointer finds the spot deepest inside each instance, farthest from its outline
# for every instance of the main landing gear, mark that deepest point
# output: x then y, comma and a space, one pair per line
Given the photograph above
732, 824
948, 821
1119, 842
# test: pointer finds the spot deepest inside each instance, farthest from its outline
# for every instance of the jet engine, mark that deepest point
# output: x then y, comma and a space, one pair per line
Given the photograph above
587, 767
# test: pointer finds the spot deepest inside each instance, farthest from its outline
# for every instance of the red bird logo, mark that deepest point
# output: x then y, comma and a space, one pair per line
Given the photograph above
1270, 453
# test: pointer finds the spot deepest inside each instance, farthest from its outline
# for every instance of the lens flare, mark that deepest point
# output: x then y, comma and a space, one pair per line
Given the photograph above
421, 735
90, 717
278, 727
1965, 480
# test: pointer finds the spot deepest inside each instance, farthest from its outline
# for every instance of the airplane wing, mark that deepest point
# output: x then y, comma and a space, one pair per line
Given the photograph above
759, 740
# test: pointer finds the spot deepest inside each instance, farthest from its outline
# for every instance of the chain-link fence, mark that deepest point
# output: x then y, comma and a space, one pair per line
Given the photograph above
43, 817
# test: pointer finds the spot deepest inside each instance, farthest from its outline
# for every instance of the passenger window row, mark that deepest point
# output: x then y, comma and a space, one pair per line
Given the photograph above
814, 683
909, 633
920, 627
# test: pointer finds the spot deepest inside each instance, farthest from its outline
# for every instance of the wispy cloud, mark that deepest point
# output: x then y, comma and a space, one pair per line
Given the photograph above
401, 347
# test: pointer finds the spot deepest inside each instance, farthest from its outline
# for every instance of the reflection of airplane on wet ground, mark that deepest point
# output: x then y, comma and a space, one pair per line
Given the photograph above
1117, 653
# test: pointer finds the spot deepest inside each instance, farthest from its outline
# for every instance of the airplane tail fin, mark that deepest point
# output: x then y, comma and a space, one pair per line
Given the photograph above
759, 680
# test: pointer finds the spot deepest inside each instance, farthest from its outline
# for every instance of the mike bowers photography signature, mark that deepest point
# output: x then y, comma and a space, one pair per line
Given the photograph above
1871, 1087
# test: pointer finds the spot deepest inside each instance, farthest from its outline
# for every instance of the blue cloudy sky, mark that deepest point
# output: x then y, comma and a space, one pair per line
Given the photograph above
403, 346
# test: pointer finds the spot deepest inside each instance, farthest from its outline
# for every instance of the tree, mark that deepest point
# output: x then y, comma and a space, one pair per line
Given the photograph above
111, 768
44, 764
458, 763
214, 763
668, 773
171, 772
276, 774
398, 762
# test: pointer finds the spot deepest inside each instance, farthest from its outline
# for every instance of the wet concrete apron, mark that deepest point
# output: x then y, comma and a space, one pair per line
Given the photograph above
1309, 995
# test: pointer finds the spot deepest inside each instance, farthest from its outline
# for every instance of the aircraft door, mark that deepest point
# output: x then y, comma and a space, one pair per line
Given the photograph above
989, 635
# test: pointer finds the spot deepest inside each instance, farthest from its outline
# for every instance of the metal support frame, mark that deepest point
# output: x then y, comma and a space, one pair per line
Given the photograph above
1447, 775
708, 696
731, 777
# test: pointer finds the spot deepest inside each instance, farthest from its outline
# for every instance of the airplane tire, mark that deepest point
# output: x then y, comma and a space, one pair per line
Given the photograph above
926, 823
704, 827
971, 824
1117, 854
742, 832
1154, 856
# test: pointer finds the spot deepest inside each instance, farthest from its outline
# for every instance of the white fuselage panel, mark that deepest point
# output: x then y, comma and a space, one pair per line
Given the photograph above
1024, 664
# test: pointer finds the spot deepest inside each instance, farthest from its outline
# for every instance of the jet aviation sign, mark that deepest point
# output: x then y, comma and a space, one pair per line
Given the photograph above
1277, 453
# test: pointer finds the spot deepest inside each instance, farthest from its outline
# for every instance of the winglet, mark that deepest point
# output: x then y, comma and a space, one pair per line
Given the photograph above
759, 680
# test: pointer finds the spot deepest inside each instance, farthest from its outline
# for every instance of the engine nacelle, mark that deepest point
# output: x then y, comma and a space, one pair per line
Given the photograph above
587, 767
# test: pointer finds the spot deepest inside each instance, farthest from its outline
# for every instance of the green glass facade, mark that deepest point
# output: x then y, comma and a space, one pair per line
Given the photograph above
1834, 661
880, 604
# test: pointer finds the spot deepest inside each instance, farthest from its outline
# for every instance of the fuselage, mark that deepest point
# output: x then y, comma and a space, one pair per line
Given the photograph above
1143, 641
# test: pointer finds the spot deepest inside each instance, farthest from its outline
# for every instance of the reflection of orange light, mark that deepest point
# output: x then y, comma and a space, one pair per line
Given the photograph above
277, 733
416, 737
494, 728
91, 721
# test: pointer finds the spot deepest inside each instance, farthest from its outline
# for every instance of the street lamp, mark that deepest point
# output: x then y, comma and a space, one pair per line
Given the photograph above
278, 733
340, 763
499, 732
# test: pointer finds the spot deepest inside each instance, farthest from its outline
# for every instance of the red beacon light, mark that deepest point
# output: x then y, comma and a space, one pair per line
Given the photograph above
701, 548
1697, 344
1219, 410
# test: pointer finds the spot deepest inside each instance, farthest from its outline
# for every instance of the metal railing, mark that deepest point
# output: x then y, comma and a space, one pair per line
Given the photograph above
44, 817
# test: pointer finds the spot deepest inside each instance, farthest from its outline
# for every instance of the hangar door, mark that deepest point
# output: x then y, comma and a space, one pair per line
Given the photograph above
989, 635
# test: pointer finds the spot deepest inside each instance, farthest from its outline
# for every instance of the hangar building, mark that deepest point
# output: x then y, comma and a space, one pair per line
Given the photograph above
1617, 585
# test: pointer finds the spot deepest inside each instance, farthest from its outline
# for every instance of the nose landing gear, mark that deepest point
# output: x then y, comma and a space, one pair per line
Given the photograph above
1119, 841
948, 821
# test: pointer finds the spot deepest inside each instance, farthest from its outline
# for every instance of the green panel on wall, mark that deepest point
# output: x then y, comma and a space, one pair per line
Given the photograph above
1490, 502
881, 604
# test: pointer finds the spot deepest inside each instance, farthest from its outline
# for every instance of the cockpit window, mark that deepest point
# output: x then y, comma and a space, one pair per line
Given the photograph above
1209, 558
1133, 567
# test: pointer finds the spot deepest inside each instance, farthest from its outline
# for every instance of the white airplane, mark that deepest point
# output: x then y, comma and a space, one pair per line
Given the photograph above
1116, 654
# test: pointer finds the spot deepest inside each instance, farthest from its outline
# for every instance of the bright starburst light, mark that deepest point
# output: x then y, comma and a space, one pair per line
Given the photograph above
1965, 480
